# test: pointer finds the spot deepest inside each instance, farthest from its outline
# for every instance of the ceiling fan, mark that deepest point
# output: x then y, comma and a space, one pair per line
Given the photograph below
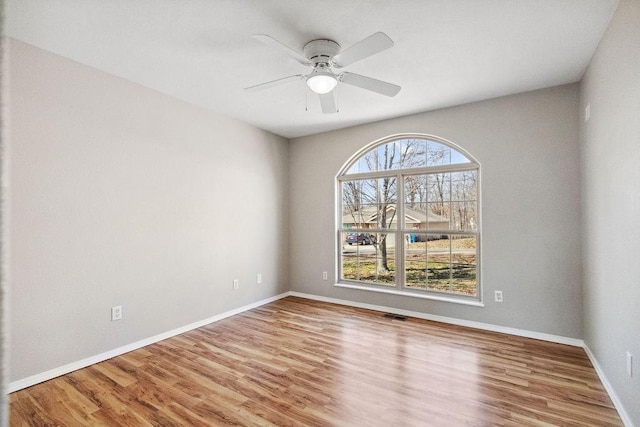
324, 57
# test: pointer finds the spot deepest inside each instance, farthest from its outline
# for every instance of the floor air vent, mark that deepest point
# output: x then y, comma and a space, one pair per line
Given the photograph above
394, 316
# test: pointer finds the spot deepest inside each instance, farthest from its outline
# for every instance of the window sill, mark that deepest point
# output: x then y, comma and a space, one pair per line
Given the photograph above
454, 300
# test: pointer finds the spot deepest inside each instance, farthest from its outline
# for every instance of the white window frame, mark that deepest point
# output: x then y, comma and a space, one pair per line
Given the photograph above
400, 231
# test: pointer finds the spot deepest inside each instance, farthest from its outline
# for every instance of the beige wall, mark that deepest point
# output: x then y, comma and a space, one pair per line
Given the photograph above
610, 143
123, 196
527, 146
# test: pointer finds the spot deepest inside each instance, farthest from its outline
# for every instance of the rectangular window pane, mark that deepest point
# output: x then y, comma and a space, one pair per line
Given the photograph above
438, 262
415, 202
353, 215
464, 264
369, 203
464, 186
386, 216
415, 218
451, 263
439, 216
464, 216
415, 261
354, 219
369, 257
439, 187
351, 260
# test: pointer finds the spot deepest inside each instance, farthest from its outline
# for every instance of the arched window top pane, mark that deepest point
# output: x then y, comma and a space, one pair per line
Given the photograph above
406, 153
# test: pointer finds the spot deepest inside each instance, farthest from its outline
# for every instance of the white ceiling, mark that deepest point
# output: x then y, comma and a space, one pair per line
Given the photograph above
447, 52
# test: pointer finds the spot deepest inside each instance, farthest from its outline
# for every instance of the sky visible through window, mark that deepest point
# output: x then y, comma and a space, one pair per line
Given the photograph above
407, 154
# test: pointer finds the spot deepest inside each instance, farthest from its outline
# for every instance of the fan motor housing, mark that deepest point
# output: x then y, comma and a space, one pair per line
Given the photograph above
321, 51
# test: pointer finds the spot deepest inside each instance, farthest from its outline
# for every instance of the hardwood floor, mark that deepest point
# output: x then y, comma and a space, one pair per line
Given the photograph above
299, 362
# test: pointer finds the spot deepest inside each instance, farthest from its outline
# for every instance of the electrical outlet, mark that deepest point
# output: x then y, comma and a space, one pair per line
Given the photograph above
629, 364
236, 284
498, 296
259, 278
116, 312
324, 275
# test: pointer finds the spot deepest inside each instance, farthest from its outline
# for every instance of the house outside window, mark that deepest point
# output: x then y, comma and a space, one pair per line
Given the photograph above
409, 219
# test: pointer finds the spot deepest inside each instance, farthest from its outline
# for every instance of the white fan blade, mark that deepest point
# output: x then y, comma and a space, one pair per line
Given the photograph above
270, 41
328, 103
371, 45
368, 83
273, 83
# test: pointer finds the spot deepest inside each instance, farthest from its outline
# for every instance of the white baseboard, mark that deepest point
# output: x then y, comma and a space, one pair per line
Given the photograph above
74, 366
451, 320
626, 418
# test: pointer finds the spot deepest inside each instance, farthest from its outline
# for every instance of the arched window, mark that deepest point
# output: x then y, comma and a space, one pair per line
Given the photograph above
409, 219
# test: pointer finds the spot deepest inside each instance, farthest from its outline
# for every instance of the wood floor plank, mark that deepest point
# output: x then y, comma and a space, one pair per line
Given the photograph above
297, 362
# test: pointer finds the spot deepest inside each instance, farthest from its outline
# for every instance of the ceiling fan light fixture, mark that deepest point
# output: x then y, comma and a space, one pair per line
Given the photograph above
322, 82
